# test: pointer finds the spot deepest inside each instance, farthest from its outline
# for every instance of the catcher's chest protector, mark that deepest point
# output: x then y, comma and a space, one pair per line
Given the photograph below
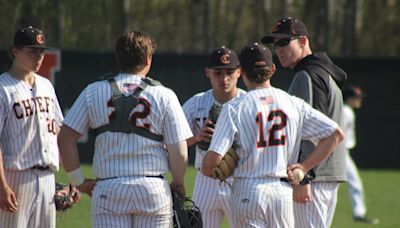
119, 120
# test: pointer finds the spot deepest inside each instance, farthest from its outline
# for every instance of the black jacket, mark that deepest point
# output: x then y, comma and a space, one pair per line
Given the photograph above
319, 66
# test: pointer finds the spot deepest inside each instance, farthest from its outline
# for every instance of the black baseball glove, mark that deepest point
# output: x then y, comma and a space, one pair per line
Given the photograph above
65, 197
186, 213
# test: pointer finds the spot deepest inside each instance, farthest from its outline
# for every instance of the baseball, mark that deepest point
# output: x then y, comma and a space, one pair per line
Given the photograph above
298, 174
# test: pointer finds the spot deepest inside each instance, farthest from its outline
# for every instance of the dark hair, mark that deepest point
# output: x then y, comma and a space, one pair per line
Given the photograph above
132, 50
258, 74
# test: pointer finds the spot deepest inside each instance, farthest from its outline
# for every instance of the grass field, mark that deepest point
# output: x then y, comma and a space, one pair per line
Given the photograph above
382, 196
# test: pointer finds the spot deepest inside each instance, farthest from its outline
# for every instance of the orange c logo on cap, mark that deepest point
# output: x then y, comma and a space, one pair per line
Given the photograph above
225, 59
276, 28
40, 38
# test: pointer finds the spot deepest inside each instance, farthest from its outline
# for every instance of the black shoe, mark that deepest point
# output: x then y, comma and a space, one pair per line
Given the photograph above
365, 219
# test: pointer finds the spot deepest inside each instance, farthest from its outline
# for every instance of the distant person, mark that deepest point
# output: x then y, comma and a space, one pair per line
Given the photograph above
353, 97
223, 71
141, 135
318, 81
30, 119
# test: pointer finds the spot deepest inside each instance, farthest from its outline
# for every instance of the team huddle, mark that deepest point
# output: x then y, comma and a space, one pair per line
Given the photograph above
143, 132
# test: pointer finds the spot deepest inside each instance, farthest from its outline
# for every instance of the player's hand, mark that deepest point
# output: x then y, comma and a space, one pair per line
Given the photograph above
76, 196
8, 201
302, 193
290, 169
206, 132
179, 188
87, 186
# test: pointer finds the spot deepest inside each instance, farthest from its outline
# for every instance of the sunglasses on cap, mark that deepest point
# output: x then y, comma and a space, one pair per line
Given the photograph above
284, 42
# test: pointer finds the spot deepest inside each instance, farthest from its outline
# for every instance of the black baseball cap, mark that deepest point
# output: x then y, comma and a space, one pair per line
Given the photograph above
223, 58
255, 55
30, 37
286, 28
353, 92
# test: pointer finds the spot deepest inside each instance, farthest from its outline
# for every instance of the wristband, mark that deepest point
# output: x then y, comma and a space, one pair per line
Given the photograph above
76, 177
310, 175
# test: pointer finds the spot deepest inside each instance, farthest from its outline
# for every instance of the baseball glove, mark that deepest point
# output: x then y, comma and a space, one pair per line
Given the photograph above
226, 166
65, 197
213, 116
186, 213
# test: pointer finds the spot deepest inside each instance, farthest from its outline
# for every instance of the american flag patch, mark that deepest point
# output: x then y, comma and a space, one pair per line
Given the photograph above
266, 100
129, 88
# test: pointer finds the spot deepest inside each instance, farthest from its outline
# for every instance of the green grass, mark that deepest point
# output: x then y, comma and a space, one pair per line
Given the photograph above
382, 196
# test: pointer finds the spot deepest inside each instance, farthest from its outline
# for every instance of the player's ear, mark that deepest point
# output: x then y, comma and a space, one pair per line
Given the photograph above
239, 71
148, 60
303, 41
273, 68
207, 72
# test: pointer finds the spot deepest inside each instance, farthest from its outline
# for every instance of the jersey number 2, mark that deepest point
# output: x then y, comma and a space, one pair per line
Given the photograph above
142, 114
273, 130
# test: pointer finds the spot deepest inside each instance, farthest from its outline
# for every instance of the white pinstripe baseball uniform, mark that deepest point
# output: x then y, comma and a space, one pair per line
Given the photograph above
130, 195
356, 191
266, 126
29, 119
210, 195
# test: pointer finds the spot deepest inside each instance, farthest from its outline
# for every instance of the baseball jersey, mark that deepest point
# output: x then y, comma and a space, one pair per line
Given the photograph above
29, 119
196, 110
349, 127
120, 154
266, 127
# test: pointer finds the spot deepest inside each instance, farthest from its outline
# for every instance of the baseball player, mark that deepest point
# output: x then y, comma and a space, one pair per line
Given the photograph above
30, 117
265, 126
141, 134
223, 70
353, 97
318, 81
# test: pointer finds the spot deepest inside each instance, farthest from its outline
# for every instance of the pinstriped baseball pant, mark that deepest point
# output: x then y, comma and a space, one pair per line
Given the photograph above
34, 190
127, 202
320, 211
261, 203
212, 197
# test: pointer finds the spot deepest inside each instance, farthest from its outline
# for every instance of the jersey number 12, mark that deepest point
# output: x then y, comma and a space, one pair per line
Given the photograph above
273, 130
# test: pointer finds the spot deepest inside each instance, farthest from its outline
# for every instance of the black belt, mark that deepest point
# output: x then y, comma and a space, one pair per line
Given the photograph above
159, 176
284, 180
108, 178
41, 168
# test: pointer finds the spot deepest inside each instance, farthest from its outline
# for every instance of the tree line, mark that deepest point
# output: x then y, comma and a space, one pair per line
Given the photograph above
346, 28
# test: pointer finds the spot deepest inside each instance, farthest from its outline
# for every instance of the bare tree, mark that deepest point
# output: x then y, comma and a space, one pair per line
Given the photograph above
287, 8
219, 22
123, 11
348, 28
193, 23
235, 26
207, 26
323, 25
266, 16
178, 27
